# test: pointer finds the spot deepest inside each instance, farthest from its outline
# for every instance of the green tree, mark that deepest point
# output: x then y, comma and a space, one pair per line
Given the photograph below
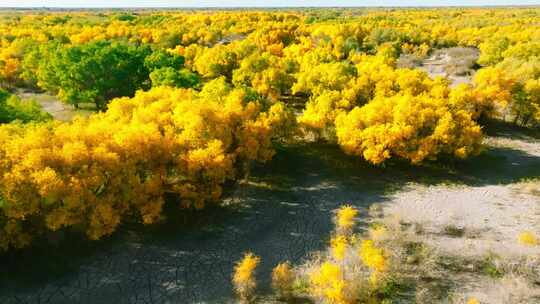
95, 72
161, 59
171, 77
167, 69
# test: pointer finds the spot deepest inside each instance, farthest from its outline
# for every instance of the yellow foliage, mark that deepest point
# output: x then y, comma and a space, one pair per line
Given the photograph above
473, 301
493, 89
244, 276
372, 256
327, 283
325, 76
338, 247
412, 128
345, 219
95, 172
378, 233
282, 279
528, 238
216, 61
334, 277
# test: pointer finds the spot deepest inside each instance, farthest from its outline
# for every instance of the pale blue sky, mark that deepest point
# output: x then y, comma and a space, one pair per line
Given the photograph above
264, 3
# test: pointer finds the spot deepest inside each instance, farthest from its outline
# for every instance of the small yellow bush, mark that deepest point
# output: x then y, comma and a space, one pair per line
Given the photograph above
338, 247
345, 219
528, 238
473, 301
327, 283
283, 279
372, 256
244, 277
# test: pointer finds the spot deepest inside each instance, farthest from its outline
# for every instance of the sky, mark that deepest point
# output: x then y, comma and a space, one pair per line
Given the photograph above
255, 3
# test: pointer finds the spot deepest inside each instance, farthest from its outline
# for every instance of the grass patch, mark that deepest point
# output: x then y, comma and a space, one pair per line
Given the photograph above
491, 267
454, 231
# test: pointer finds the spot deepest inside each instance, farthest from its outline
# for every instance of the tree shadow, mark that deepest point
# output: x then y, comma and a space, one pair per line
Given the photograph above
499, 128
283, 212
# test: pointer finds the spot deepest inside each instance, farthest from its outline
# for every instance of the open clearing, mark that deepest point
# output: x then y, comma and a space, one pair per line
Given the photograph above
53, 106
456, 64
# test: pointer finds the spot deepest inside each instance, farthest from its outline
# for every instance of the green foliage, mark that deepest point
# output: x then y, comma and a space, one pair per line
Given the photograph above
161, 59
489, 267
125, 17
95, 72
166, 69
3, 95
168, 76
12, 108
454, 231
4, 113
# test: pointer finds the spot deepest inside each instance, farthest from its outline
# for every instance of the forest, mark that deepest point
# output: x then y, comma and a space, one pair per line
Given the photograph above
175, 110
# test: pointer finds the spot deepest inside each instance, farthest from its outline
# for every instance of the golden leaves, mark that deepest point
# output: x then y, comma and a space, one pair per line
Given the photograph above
413, 128
244, 276
328, 283
94, 172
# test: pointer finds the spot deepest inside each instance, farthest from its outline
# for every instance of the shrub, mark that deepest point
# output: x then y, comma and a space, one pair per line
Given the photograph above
283, 279
372, 256
217, 61
161, 59
327, 283
407, 127
326, 76
171, 77
95, 72
91, 174
266, 73
338, 247
345, 219
528, 238
244, 277
492, 50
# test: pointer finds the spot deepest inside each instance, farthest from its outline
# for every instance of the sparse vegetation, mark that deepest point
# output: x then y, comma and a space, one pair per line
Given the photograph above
454, 231
283, 280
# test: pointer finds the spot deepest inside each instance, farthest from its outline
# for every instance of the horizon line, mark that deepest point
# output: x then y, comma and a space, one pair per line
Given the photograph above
257, 6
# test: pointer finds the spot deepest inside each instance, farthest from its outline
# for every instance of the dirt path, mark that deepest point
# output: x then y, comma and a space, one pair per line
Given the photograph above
53, 106
286, 214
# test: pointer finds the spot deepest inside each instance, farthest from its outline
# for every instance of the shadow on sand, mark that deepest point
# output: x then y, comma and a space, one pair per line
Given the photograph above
282, 213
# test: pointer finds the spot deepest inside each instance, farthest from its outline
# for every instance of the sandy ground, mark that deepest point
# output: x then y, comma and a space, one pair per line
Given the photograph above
53, 106
455, 63
474, 222
284, 213
493, 215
